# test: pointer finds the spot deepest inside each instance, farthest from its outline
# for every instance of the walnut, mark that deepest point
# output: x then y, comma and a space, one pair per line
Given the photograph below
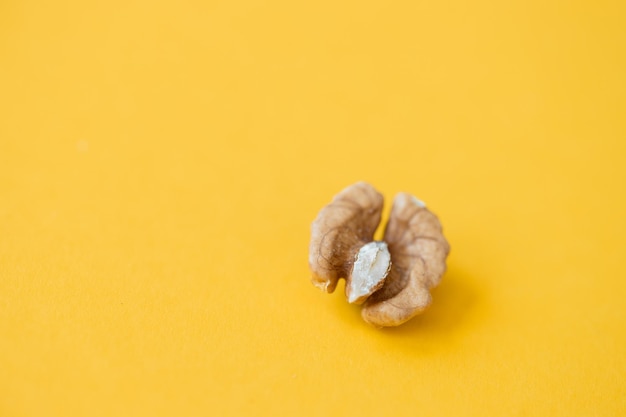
392, 278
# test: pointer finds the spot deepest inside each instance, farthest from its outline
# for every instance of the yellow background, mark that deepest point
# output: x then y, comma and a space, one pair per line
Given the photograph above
160, 164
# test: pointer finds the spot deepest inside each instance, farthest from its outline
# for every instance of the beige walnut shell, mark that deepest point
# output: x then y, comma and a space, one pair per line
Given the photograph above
399, 272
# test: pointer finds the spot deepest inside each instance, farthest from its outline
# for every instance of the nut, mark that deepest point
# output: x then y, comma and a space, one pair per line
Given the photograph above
392, 277
339, 235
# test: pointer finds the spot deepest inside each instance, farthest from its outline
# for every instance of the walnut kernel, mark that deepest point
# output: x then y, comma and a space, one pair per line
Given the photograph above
391, 277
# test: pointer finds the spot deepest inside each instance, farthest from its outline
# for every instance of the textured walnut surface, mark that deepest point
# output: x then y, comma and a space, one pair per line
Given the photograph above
339, 230
415, 241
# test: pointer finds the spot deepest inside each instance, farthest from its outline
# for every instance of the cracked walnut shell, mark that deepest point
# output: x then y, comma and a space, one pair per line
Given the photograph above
391, 278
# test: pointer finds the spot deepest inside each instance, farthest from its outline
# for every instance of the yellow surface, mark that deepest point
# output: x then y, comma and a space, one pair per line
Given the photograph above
160, 164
